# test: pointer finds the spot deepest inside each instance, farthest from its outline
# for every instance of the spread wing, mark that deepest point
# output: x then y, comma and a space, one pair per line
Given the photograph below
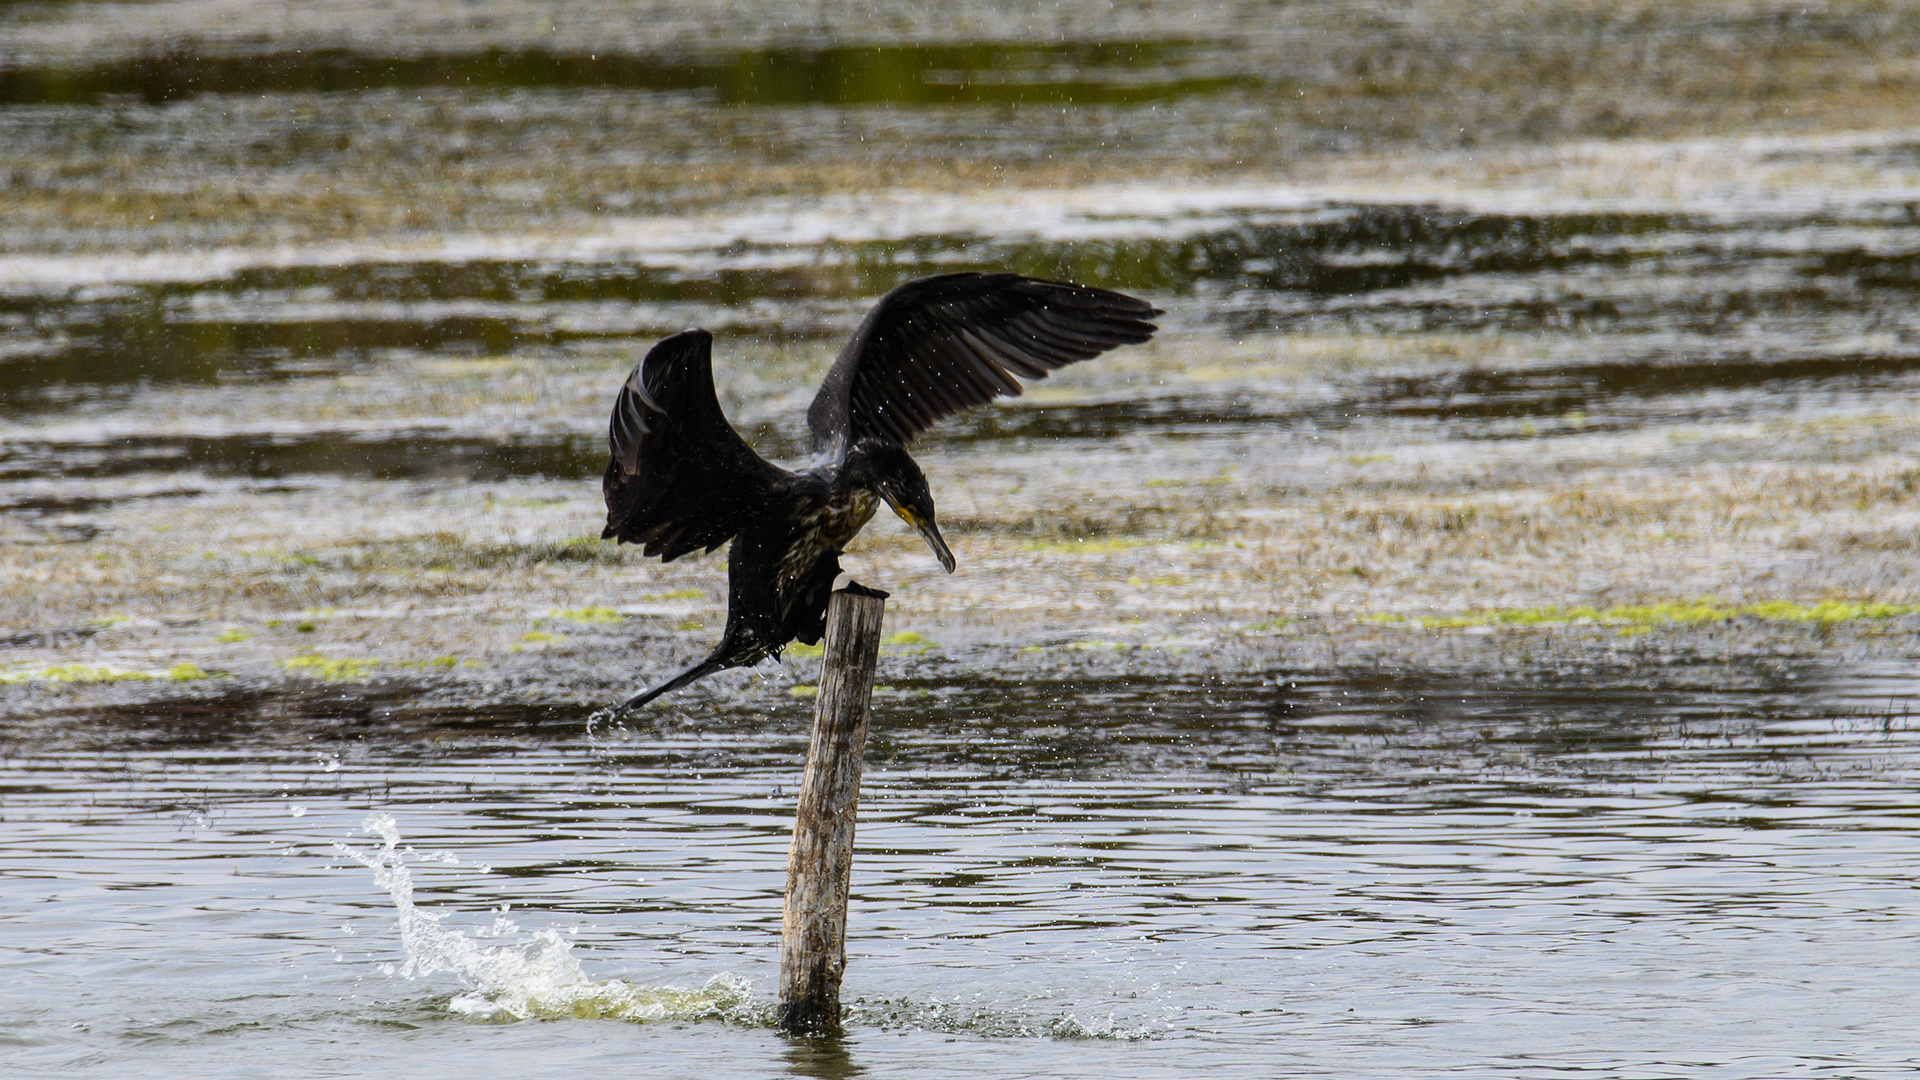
941, 345
680, 478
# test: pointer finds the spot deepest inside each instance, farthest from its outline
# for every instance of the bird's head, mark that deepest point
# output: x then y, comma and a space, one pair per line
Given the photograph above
888, 469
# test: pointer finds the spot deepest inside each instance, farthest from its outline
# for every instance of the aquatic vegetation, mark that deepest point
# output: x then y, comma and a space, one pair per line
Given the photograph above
91, 673
602, 616
907, 643
331, 669
803, 690
542, 637
443, 663
232, 637
677, 594
1643, 617
1162, 580
802, 651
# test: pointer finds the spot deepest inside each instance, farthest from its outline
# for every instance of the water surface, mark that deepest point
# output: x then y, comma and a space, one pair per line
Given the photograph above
1389, 875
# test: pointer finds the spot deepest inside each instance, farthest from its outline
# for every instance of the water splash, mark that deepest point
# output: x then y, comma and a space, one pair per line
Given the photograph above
539, 979
961, 1018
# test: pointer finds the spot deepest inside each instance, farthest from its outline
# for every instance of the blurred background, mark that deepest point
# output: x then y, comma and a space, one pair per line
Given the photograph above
1488, 604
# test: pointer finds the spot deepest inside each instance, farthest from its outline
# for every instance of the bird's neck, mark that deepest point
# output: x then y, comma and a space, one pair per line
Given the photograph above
859, 470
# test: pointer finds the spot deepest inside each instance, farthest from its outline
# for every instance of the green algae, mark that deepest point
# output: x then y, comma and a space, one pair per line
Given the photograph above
93, 673
908, 643
442, 663
331, 669
601, 616
1640, 618
800, 650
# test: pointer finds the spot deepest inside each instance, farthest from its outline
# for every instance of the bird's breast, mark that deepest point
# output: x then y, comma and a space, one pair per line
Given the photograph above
823, 528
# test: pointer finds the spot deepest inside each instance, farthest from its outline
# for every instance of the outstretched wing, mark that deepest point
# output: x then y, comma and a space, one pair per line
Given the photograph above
680, 479
941, 345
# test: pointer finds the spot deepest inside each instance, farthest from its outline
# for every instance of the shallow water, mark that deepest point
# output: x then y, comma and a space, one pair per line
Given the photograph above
1175, 781
1556, 874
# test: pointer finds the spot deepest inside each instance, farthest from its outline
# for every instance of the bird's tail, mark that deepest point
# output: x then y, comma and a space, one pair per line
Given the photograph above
698, 671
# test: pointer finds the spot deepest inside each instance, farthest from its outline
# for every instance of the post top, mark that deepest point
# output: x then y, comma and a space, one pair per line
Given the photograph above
857, 589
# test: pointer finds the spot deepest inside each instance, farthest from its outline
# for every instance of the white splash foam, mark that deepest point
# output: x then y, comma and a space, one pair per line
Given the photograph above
536, 979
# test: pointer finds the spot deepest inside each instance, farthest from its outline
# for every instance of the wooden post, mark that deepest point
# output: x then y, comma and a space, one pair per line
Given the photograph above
813, 931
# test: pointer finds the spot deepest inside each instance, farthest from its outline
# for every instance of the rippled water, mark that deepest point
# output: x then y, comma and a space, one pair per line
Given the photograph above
1555, 874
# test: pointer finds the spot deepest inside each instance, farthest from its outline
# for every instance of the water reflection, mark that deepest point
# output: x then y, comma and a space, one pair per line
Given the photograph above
822, 1059
1307, 727
399, 455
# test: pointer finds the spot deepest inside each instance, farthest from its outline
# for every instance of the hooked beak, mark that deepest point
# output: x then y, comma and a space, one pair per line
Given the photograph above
929, 532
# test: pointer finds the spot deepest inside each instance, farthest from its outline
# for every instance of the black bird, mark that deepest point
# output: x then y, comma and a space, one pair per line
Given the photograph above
682, 480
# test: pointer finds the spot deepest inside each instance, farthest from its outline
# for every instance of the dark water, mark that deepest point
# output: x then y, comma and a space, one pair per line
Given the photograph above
910, 75
1651, 315
1552, 873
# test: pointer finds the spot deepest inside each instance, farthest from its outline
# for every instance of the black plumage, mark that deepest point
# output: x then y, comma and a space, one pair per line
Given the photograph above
680, 479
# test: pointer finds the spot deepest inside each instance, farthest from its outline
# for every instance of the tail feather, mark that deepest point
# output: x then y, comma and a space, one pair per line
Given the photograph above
698, 671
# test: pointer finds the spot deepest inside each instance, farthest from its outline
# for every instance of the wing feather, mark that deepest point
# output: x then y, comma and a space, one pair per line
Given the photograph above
942, 345
679, 478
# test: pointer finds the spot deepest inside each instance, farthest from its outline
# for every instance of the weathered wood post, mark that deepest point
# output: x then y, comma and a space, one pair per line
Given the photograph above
813, 931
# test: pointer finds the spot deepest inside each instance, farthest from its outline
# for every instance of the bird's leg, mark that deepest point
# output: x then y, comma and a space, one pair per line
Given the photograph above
701, 670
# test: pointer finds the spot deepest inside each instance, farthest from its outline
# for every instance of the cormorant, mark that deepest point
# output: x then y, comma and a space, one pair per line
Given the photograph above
682, 480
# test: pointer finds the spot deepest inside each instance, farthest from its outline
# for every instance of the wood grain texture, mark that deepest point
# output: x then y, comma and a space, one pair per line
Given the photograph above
813, 931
